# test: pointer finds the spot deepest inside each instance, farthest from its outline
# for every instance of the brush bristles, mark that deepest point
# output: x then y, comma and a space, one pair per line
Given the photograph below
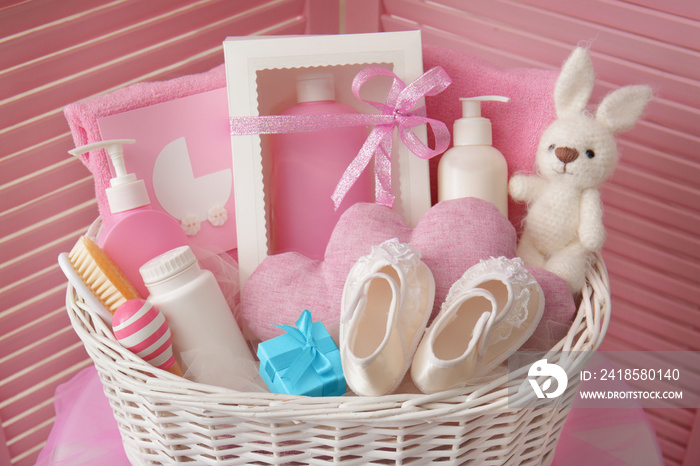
101, 275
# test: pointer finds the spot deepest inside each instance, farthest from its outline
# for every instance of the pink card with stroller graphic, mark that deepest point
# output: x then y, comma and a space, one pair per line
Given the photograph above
183, 154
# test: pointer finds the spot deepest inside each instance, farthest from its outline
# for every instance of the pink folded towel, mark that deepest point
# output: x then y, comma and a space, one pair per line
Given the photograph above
82, 117
517, 125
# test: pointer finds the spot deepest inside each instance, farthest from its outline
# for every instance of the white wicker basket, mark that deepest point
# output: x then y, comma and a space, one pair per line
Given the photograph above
166, 419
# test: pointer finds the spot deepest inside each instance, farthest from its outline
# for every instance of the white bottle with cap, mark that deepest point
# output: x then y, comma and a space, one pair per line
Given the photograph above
135, 233
199, 317
473, 167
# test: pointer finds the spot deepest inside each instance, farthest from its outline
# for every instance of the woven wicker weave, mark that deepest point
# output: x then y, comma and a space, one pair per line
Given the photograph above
166, 419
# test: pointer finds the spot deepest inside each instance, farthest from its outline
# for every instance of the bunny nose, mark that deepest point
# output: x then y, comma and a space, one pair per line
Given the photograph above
566, 154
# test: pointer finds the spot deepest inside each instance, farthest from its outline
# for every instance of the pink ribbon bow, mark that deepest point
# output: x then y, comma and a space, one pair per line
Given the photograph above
397, 112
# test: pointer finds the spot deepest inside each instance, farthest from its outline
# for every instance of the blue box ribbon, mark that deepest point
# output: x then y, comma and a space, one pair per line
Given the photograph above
304, 361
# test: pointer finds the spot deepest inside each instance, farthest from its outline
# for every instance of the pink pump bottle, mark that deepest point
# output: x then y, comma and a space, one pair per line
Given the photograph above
306, 168
135, 233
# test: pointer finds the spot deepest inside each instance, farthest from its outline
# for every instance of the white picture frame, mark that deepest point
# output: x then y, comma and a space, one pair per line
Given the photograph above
254, 64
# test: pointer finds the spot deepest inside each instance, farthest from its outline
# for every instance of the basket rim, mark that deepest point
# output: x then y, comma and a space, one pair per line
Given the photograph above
114, 362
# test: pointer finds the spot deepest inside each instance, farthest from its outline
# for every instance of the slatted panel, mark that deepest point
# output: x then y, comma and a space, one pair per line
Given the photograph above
51, 54
653, 201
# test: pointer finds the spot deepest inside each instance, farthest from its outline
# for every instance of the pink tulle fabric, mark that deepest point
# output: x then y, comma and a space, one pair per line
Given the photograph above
85, 432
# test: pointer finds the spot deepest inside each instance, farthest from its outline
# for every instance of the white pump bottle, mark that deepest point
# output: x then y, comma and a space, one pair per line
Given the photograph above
473, 167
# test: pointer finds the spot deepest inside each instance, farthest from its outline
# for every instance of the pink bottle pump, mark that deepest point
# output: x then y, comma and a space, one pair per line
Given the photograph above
136, 233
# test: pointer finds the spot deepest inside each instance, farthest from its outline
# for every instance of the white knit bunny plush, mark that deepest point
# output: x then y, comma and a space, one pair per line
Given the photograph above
576, 153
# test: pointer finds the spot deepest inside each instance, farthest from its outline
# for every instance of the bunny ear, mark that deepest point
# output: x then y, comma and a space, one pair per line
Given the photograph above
574, 84
621, 109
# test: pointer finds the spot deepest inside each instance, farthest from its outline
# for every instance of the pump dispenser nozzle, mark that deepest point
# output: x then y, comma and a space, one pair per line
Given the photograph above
473, 129
126, 192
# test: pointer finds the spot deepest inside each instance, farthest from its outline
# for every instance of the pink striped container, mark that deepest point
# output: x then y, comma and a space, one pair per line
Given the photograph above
142, 329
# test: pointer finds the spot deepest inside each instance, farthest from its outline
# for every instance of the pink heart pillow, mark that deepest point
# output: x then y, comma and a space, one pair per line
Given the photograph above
452, 236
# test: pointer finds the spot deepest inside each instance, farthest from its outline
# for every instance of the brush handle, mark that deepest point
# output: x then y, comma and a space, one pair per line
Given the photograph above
142, 329
82, 289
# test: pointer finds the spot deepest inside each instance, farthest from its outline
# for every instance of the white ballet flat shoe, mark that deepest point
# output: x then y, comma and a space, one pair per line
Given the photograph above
387, 300
488, 314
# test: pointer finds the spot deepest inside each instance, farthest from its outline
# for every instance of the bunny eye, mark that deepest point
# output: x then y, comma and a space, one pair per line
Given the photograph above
551, 147
590, 154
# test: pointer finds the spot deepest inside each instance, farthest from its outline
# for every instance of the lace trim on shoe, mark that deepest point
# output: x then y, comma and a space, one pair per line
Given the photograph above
395, 252
515, 318
513, 271
521, 280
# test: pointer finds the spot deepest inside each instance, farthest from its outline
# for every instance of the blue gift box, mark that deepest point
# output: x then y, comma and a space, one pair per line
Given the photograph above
303, 361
